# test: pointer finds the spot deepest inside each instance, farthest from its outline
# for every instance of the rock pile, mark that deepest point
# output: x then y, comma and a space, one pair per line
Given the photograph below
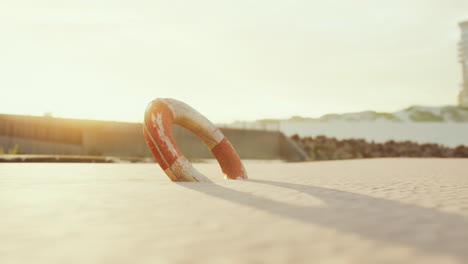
329, 148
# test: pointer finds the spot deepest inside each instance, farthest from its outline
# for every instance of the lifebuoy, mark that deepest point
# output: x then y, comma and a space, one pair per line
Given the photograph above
159, 116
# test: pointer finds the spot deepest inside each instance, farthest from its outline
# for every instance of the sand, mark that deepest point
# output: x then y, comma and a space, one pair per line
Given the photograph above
362, 211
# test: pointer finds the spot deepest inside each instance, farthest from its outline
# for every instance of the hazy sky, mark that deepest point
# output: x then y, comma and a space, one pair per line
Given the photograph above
230, 60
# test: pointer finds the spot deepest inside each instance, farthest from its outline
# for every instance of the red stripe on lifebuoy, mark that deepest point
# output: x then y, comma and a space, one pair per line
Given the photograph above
158, 120
229, 160
154, 150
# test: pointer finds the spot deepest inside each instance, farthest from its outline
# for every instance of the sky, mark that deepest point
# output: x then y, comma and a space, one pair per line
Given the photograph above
230, 60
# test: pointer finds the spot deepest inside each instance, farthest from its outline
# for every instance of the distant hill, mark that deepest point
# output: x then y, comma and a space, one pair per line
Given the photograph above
410, 114
446, 125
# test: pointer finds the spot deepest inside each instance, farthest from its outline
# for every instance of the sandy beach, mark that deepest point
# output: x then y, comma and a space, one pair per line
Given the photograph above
359, 211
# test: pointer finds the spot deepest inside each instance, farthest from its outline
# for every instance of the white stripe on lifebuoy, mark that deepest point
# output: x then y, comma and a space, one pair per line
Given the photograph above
183, 168
186, 116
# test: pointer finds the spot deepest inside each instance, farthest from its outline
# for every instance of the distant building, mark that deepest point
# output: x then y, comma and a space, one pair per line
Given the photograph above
463, 58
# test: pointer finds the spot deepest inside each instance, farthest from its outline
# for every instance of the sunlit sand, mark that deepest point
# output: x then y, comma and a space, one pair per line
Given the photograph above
362, 211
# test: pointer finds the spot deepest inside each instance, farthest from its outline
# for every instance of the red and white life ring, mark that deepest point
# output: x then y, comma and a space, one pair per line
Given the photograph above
159, 116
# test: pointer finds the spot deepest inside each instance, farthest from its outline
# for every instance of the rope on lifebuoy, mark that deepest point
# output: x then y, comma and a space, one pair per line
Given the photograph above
159, 116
